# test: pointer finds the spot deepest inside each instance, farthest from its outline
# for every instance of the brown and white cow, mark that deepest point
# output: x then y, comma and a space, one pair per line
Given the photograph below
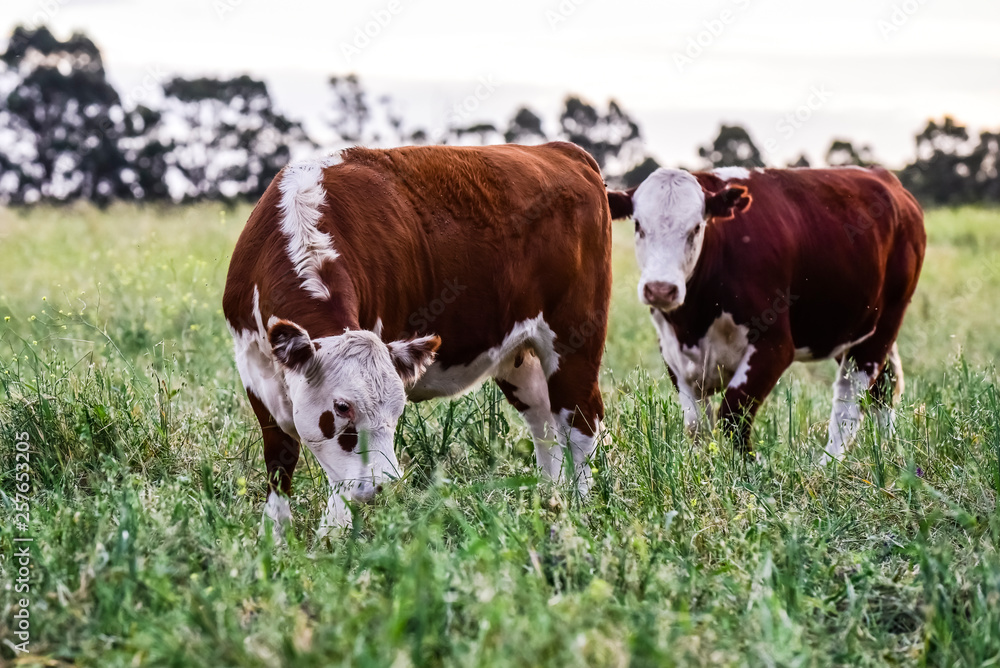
380, 275
745, 272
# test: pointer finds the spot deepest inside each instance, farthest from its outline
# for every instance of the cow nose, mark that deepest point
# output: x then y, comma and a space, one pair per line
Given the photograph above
365, 492
660, 294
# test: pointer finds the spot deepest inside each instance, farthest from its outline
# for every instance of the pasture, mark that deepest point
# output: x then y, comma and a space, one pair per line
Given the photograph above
146, 488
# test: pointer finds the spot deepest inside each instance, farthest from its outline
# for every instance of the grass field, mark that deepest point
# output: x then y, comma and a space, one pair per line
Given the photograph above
146, 486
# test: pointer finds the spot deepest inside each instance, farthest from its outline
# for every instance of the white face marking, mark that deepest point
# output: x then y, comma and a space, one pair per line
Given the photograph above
533, 333
730, 173
350, 387
302, 198
669, 213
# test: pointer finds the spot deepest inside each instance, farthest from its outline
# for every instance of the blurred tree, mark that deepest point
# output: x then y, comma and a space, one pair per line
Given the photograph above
802, 162
842, 154
732, 148
984, 165
525, 128
351, 113
227, 140
356, 122
482, 134
61, 123
944, 171
612, 138
638, 174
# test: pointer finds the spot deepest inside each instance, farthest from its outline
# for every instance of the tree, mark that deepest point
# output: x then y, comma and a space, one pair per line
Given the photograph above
842, 154
232, 141
945, 169
351, 113
612, 138
732, 148
64, 123
525, 128
482, 134
802, 162
638, 174
984, 163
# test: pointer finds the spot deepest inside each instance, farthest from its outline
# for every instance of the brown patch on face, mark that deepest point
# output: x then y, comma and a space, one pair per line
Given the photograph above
348, 440
316, 345
326, 424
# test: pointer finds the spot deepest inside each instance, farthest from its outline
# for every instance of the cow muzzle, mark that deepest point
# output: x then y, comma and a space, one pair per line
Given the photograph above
661, 295
365, 491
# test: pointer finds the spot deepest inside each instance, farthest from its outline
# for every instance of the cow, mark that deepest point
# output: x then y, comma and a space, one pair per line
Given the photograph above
745, 272
380, 275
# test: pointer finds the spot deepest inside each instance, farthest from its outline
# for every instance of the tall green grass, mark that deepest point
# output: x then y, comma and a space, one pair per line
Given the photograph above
147, 486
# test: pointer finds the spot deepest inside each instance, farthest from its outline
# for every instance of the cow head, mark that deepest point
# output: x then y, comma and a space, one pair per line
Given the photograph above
347, 393
671, 211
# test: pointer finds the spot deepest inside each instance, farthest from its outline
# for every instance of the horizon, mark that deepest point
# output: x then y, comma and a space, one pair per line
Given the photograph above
681, 72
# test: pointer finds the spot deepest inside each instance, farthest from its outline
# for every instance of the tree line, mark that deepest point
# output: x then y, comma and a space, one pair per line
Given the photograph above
66, 134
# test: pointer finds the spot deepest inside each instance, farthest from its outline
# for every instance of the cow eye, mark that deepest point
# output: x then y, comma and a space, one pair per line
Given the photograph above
638, 230
692, 235
343, 408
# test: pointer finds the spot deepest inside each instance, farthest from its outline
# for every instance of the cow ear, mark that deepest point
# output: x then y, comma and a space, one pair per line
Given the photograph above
620, 203
290, 344
412, 357
725, 204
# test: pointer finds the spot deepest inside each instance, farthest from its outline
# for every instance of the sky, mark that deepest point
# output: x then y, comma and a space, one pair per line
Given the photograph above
795, 73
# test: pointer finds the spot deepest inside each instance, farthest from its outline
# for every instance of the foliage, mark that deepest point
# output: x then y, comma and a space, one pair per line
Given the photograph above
842, 154
732, 148
613, 138
233, 141
61, 121
952, 169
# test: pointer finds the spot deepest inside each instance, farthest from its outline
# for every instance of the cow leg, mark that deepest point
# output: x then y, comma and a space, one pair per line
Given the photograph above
577, 409
859, 368
281, 454
526, 389
886, 392
755, 376
696, 409
845, 417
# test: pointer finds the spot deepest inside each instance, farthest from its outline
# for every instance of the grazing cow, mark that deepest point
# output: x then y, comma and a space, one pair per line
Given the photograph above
745, 272
380, 275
